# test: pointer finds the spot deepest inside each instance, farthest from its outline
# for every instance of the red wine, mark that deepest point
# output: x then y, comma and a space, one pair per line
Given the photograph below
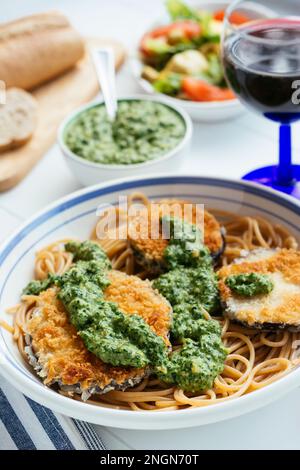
262, 65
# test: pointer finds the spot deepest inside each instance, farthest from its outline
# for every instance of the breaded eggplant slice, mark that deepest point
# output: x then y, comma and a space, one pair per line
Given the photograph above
149, 252
277, 310
58, 354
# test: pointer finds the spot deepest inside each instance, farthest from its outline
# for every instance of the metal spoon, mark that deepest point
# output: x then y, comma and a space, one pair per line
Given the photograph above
104, 62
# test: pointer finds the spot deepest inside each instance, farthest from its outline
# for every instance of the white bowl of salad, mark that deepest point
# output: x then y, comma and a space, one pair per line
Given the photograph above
182, 59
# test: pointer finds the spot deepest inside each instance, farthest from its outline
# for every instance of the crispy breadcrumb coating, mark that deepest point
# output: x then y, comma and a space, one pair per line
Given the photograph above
61, 351
282, 305
150, 251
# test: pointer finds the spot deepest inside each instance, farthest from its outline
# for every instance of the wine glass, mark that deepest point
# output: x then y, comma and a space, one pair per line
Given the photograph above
261, 59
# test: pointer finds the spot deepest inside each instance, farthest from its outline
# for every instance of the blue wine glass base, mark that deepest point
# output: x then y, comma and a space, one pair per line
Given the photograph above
267, 177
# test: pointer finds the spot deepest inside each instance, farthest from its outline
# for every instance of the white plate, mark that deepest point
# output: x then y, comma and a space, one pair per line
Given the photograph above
74, 216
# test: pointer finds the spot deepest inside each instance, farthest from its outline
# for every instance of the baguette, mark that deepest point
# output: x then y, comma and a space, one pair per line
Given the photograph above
18, 119
37, 48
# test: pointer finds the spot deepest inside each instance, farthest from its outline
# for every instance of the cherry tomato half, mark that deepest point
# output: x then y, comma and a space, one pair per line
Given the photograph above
199, 90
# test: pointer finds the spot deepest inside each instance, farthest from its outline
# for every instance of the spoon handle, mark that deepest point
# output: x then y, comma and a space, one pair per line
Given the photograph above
105, 68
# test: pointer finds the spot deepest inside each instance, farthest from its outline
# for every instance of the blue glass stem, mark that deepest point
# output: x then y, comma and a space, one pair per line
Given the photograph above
284, 173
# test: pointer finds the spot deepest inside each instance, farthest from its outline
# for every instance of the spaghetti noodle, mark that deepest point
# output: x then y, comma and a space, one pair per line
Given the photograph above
255, 359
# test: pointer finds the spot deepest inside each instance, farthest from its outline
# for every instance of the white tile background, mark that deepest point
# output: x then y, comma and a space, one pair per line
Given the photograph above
225, 149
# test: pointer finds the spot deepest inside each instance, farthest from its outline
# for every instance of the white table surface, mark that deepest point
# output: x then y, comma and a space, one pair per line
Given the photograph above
225, 149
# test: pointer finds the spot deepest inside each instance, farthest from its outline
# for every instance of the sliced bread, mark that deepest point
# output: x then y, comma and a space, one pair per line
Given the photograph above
18, 118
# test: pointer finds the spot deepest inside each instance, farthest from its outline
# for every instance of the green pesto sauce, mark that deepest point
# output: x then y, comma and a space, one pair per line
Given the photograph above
185, 247
36, 287
250, 284
196, 365
127, 340
191, 292
116, 338
141, 131
85, 251
190, 285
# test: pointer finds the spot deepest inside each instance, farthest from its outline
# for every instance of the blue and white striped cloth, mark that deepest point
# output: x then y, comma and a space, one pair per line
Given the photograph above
26, 425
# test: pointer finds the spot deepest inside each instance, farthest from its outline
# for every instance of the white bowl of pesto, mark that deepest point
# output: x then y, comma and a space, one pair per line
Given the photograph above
74, 216
146, 135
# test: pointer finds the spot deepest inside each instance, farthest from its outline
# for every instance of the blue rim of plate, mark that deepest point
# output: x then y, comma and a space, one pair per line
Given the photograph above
76, 199
245, 187
94, 193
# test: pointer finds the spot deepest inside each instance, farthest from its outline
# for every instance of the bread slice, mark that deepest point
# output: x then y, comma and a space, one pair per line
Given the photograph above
18, 118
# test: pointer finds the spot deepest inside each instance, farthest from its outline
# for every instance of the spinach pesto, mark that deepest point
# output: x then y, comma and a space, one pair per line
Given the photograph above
190, 285
190, 281
127, 340
250, 284
141, 131
87, 252
185, 247
196, 365
116, 338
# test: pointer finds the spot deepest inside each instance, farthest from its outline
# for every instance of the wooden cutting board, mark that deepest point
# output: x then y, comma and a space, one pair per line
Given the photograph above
56, 100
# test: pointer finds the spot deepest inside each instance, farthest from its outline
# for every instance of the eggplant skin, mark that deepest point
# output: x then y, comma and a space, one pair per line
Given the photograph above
263, 327
216, 255
77, 389
58, 355
155, 267
270, 327
278, 310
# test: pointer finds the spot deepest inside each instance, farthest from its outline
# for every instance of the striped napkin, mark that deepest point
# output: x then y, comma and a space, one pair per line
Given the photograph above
26, 425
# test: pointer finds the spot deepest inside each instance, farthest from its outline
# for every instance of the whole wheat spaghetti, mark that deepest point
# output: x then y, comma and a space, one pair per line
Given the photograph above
255, 359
